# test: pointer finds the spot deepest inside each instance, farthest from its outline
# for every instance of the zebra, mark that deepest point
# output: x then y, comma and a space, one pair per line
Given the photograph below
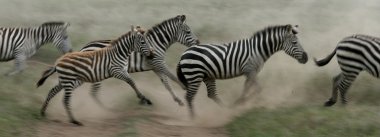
21, 43
208, 62
161, 37
354, 53
76, 68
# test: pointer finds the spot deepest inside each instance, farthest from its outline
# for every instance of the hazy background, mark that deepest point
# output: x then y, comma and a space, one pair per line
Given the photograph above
285, 82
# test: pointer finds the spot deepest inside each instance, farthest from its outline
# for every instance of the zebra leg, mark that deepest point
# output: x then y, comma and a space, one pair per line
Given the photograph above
125, 77
211, 91
334, 96
94, 93
190, 93
19, 65
249, 82
164, 80
162, 68
51, 94
66, 101
344, 85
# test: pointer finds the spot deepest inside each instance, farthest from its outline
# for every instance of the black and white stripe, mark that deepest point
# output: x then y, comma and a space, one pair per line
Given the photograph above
161, 37
355, 53
21, 43
76, 68
243, 57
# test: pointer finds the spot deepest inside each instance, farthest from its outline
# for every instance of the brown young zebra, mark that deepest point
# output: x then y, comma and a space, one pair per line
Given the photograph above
76, 68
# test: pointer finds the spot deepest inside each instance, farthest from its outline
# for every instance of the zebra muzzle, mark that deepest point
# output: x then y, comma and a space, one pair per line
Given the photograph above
304, 58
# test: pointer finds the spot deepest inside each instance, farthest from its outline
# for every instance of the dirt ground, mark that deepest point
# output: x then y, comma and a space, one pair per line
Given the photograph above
164, 119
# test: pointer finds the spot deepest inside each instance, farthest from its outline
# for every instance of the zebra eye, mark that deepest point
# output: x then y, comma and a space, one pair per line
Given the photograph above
294, 42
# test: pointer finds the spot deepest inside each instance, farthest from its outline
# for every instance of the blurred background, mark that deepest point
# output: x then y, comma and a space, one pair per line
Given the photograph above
290, 103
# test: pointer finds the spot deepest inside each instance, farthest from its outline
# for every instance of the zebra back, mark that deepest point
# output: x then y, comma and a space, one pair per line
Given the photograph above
57, 34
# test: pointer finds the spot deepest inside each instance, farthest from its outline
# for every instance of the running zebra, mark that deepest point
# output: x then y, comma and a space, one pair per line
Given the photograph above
243, 57
22, 43
76, 68
161, 37
354, 54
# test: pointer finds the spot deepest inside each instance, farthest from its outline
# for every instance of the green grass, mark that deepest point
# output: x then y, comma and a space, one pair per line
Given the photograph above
19, 102
310, 121
361, 117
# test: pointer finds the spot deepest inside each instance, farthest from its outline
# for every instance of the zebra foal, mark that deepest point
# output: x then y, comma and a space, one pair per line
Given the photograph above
208, 62
21, 43
76, 68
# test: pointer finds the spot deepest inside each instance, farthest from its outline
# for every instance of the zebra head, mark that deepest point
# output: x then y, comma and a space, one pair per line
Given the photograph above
184, 34
59, 36
140, 42
292, 46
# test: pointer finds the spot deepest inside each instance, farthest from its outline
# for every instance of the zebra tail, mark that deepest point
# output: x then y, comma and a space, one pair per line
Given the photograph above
180, 76
326, 60
45, 75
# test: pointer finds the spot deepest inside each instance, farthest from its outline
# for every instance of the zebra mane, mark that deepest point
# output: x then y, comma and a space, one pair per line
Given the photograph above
272, 28
138, 29
168, 21
121, 37
53, 23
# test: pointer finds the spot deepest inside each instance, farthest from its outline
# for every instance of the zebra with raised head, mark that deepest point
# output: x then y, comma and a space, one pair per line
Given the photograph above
208, 62
161, 37
355, 53
21, 43
76, 68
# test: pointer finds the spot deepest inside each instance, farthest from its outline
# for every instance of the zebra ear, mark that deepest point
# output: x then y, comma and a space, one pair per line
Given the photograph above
295, 29
140, 29
67, 24
181, 18
133, 28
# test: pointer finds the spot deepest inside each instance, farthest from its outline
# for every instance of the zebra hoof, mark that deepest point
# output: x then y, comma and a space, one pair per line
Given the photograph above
145, 101
77, 123
344, 102
329, 103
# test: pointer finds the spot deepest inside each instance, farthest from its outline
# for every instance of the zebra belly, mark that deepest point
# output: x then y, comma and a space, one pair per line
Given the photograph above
229, 76
82, 74
7, 58
6, 53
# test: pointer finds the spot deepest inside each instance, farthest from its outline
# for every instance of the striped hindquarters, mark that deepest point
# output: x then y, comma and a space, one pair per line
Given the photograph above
359, 52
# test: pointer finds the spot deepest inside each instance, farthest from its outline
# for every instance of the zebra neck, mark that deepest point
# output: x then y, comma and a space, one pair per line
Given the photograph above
121, 49
162, 38
263, 47
42, 35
